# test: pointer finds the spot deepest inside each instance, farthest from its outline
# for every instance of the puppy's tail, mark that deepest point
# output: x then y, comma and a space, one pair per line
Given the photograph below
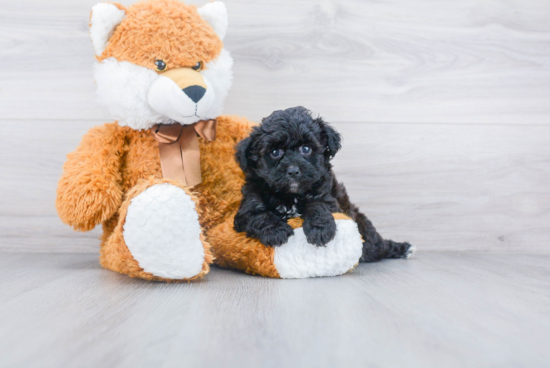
375, 247
386, 249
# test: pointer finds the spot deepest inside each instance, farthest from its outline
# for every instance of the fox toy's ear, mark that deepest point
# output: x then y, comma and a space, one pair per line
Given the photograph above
215, 14
103, 21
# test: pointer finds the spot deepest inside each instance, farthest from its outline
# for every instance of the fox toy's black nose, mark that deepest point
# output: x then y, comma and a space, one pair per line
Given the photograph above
293, 172
195, 93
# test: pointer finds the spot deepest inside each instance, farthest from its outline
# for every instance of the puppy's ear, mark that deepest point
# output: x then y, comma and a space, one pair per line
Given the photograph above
332, 137
243, 153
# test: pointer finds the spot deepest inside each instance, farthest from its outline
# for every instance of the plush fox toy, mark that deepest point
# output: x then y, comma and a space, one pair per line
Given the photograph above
162, 178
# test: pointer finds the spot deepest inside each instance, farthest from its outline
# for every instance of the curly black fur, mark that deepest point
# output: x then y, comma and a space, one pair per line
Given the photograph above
286, 161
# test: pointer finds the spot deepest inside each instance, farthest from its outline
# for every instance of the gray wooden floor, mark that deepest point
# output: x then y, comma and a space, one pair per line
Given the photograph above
440, 309
444, 109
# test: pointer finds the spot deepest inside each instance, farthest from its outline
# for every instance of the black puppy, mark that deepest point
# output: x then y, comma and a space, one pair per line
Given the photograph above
286, 161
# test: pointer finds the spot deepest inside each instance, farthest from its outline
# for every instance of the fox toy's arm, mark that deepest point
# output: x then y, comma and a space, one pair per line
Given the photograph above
89, 191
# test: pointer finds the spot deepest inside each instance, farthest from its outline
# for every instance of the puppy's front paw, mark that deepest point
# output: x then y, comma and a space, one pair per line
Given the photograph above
277, 235
319, 231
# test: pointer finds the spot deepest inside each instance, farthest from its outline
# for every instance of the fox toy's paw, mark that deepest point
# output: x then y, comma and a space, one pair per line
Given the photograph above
299, 259
295, 259
160, 236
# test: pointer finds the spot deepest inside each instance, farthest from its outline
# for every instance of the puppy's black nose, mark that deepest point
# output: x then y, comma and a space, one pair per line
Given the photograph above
195, 93
293, 171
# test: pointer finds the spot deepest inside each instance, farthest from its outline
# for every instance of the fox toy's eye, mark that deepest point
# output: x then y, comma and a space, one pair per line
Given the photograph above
197, 66
161, 65
305, 150
276, 153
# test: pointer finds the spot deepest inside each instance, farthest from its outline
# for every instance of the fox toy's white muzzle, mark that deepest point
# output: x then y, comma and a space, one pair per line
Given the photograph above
182, 94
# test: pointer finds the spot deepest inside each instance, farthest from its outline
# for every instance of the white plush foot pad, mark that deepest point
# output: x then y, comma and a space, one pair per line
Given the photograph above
162, 232
299, 259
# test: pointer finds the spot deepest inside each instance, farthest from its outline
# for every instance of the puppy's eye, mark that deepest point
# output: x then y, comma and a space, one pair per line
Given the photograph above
197, 66
276, 153
305, 150
161, 65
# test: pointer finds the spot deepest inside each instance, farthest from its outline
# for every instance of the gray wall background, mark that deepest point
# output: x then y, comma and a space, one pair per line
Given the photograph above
444, 107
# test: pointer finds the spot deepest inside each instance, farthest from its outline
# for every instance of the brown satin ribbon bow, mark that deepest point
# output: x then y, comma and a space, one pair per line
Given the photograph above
180, 156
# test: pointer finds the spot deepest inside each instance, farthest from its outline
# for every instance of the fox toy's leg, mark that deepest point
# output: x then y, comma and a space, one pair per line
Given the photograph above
295, 259
158, 235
